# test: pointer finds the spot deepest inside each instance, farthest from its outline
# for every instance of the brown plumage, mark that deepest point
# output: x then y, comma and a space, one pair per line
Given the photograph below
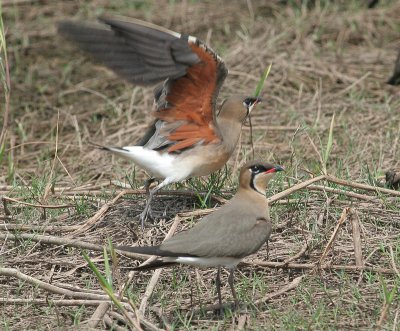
200, 80
225, 237
187, 138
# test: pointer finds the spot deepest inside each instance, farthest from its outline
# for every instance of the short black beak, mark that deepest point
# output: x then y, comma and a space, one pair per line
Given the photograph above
250, 102
256, 100
279, 168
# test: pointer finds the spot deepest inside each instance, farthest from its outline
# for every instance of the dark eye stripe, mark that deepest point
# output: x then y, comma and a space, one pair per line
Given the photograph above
259, 168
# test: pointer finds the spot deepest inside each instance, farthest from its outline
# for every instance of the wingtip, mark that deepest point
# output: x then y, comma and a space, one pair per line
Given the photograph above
144, 250
75, 30
118, 20
98, 146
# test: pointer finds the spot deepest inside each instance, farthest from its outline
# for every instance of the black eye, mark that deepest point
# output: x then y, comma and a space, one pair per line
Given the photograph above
256, 169
248, 102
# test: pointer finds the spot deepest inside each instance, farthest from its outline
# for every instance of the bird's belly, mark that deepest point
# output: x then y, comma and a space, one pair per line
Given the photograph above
160, 165
200, 161
204, 160
206, 262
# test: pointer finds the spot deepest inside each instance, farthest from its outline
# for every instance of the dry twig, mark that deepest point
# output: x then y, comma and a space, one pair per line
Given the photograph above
333, 179
294, 188
342, 218
241, 322
103, 307
99, 314
52, 240
302, 251
36, 205
157, 273
47, 301
100, 213
311, 266
11, 272
343, 192
355, 223
292, 285
110, 323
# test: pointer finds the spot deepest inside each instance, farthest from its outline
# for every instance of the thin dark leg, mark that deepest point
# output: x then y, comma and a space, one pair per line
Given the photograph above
147, 210
145, 213
147, 184
218, 285
230, 282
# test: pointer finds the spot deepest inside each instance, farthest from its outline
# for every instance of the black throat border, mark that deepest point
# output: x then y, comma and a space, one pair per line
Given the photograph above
253, 175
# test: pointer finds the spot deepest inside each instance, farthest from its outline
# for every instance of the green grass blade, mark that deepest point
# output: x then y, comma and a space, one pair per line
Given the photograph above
2, 150
107, 268
92, 266
263, 78
329, 144
103, 281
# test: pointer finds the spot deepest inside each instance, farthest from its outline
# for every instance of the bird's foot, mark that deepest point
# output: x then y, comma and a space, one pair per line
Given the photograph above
146, 214
221, 309
234, 307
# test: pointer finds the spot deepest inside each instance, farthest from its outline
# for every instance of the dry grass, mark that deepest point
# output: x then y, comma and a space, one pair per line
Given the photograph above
327, 59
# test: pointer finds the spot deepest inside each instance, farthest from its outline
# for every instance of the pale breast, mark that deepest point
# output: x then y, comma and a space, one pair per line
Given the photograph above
203, 160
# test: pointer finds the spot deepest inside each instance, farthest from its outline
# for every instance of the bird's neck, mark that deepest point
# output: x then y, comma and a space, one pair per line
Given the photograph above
230, 131
256, 201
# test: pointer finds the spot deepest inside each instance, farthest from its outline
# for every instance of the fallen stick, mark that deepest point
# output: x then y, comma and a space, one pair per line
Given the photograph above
49, 302
52, 240
11, 272
149, 326
98, 216
49, 228
154, 279
242, 320
109, 322
294, 188
355, 224
102, 309
393, 262
342, 218
8, 199
310, 266
343, 192
158, 312
17, 2
288, 287
302, 251
99, 314
343, 182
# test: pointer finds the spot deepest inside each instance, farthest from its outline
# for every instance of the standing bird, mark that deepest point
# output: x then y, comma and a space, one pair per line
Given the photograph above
225, 237
188, 137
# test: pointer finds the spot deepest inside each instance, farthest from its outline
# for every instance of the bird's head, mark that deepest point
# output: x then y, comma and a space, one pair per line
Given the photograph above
238, 108
255, 175
250, 102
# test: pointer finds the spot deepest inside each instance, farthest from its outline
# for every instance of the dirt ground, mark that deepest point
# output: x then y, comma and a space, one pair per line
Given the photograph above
334, 257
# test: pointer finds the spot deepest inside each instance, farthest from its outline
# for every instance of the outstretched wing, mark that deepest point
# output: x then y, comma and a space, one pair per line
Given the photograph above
145, 54
138, 51
190, 100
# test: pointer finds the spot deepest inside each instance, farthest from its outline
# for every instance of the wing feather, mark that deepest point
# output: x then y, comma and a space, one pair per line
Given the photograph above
145, 54
192, 100
222, 237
